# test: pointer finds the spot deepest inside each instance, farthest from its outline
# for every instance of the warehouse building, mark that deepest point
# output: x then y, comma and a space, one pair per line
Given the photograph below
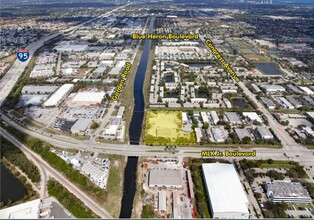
27, 210
306, 90
88, 98
162, 201
268, 103
198, 134
233, 117
36, 90
120, 112
58, 96
95, 174
226, 196
255, 87
253, 116
219, 134
214, 117
286, 191
264, 133
204, 117
294, 89
241, 133
165, 178
80, 126
285, 103
273, 88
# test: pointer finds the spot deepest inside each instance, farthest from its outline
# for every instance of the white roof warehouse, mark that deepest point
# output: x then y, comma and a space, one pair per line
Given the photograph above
224, 190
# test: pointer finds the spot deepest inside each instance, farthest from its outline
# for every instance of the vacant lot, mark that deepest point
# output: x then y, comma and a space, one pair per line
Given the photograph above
165, 128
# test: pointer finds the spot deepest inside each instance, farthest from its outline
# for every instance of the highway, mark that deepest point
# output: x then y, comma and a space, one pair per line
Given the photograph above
43, 165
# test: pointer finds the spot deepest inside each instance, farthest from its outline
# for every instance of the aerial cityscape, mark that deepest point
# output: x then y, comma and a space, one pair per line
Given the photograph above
157, 109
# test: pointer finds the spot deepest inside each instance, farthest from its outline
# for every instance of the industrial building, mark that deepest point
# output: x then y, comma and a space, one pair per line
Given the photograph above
120, 112
286, 191
285, 103
58, 96
27, 210
241, 133
165, 178
268, 103
233, 117
264, 133
198, 134
97, 175
36, 90
219, 134
204, 117
88, 98
214, 117
184, 118
273, 88
162, 201
226, 196
253, 116
306, 90
80, 126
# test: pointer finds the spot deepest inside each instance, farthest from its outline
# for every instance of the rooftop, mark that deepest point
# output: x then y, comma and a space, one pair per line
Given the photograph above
224, 188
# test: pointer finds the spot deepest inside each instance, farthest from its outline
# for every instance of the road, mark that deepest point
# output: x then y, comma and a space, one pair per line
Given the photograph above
43, 165
143, 150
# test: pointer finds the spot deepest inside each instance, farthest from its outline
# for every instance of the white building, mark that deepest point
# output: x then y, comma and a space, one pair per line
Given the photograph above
265, 133
95, 174
162, 201
306, 90
214, 117
253, 116
27, 210
204, 117
273, 88
58, 96
81, 125
88, 98
219, 134
198, 134
184, 118
224, 190
285, 103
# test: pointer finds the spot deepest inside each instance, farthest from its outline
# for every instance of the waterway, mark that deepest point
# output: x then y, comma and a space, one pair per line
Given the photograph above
129, 188
135, 130
10, 184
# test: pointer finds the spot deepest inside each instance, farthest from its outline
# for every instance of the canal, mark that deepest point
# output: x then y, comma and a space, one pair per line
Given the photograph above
11, 188
135, 130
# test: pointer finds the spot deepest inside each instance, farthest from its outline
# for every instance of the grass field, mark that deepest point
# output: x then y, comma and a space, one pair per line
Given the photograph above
165, 128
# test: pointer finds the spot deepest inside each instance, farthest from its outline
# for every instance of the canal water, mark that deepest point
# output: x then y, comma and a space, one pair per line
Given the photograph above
135, 130
129, 187
139, 105
11, 188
